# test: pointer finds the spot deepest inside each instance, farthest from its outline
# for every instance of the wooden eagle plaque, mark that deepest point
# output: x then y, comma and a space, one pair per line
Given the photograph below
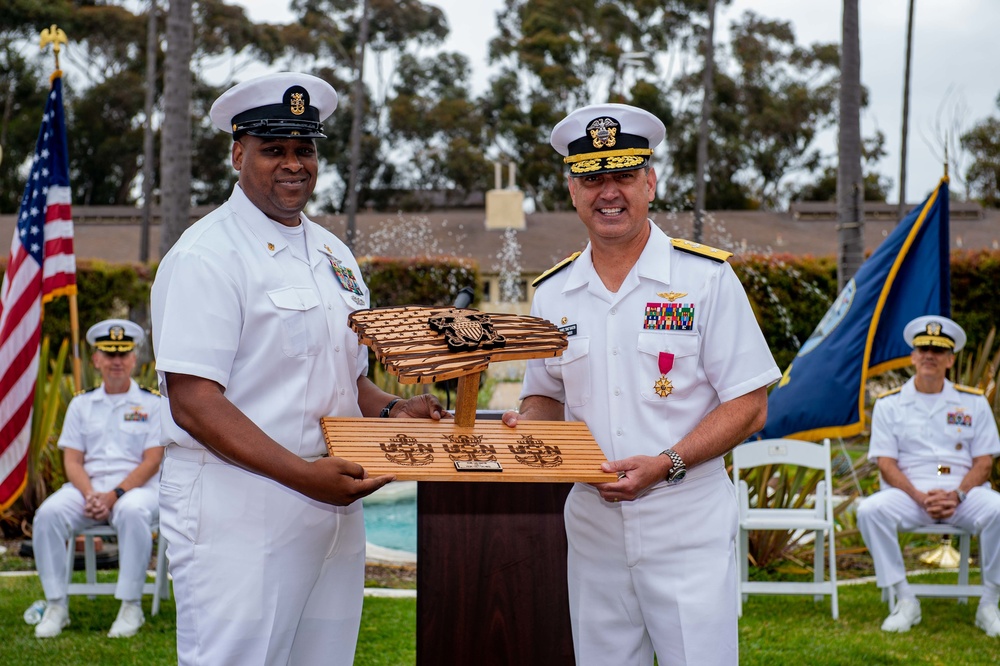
422, 345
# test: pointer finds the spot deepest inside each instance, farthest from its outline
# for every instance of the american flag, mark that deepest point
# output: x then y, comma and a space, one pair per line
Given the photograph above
41, 267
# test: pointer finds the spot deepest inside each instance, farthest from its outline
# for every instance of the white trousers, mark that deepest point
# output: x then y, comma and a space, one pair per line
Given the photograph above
655, 575
62, 513
882, 515
262, 575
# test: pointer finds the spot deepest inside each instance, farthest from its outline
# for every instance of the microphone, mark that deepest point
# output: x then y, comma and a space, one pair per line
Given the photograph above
464, 297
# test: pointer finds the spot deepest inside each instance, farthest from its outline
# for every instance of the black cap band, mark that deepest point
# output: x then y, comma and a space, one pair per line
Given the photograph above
294, 117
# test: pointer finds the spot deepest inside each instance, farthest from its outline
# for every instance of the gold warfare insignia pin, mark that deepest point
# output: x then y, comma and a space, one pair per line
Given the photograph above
671, 295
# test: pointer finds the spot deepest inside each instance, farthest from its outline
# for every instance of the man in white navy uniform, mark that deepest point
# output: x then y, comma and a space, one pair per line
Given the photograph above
935, 442
111, 453
668, 368
249, 308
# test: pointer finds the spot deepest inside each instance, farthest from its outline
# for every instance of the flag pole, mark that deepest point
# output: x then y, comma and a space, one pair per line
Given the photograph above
55, 36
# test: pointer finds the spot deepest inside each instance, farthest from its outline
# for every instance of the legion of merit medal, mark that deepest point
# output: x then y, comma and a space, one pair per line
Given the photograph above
663, 386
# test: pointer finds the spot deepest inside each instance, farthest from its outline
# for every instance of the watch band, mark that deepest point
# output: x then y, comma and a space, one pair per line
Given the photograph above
384, 414
679, 469
961, 495
119, 492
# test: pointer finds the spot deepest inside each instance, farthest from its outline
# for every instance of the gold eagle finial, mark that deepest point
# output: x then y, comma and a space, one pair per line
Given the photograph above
53, 35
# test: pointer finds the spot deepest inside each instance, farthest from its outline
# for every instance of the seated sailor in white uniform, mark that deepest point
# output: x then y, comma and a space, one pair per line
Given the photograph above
111, 453
935, 442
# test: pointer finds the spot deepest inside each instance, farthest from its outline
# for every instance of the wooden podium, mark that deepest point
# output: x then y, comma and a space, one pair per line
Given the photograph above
491, 546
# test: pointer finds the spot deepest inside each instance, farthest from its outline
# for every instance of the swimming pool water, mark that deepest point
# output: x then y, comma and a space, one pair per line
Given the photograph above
391, 517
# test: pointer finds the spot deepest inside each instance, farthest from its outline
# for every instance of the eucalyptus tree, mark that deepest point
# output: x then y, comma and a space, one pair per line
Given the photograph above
100, 66
983, 175
22, 99
325, 35
554, 56
438, 127
773, 97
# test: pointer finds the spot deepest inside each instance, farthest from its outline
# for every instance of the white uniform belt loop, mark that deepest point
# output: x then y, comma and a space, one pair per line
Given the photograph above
204, 456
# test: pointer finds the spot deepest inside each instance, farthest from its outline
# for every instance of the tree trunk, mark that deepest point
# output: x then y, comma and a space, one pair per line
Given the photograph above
906, 115
850, 185
175, 142
701, 162
356, 122
148, 143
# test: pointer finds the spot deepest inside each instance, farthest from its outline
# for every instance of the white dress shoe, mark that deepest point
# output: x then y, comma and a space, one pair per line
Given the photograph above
988, 619
129, 619
53, 620
903, 617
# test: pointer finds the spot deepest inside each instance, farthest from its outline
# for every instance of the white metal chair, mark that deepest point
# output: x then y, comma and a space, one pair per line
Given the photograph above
961, 590
159, 588
818, 519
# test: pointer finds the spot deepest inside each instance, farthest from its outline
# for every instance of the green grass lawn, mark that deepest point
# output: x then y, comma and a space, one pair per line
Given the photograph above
774, 630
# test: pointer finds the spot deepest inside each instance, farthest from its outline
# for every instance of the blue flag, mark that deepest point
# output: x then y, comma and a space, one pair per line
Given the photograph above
822, 392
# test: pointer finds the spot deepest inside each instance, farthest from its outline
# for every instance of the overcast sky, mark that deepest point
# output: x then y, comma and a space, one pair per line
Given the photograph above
955, 69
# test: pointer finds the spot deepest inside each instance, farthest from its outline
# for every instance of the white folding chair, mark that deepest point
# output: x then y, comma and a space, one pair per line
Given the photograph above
961, 590
159, 588
818, 518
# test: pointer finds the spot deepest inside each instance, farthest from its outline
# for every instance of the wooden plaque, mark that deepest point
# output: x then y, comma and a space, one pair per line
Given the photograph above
426, 450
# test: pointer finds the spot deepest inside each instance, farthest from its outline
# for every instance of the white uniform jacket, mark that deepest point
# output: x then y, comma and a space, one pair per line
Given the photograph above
958, 427
113, 432
674, 308
232, 304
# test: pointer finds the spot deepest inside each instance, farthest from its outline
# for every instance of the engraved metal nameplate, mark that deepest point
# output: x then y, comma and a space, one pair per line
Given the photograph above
478, 466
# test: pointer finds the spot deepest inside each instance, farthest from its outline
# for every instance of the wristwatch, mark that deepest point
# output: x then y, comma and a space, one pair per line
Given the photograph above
679, 469
119, 492
961, 495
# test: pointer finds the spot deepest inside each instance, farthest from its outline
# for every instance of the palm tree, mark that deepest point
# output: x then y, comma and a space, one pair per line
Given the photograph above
906, 114
175, 143
701, 159
850, 186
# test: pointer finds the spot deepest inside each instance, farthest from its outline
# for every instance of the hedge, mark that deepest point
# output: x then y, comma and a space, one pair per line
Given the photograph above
789, 294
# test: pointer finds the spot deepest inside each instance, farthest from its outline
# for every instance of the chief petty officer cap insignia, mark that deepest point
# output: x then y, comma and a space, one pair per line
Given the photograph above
607, 138
284, 105
115, 335
934, 331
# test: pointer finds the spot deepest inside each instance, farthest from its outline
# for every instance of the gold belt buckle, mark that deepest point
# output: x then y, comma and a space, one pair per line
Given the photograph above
943, 469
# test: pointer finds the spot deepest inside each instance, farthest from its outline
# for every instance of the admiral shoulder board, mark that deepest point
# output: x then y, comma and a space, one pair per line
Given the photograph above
555, 269
969, 389
890, 392
691, 247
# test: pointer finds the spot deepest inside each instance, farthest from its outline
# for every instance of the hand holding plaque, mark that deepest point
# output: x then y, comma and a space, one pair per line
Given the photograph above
422, 345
